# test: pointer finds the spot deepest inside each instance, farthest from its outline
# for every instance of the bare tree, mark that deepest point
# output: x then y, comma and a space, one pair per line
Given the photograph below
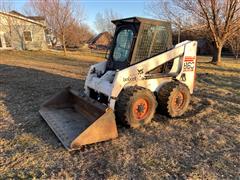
165, 10
78, 34
60, 15
218, 19
103, 21
234, 43
6, 5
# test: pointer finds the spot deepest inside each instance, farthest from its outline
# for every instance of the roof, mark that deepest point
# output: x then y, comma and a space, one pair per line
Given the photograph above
20, 16
36, 18
140, 20
16, 13
95, 38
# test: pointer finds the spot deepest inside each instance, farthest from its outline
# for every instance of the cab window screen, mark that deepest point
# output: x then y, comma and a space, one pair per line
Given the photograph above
152, 41
123, 45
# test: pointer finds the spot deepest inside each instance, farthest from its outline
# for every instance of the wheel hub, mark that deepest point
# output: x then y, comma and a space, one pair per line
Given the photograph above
178, 101
140, 109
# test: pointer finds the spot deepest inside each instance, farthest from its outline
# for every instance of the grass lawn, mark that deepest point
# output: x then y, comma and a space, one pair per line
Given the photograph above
203, 144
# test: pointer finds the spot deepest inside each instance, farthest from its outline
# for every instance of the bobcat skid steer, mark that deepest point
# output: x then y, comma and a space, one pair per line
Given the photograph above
143, 73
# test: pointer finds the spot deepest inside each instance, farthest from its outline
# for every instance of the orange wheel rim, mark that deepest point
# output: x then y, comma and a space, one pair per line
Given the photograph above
178, 101
140, 109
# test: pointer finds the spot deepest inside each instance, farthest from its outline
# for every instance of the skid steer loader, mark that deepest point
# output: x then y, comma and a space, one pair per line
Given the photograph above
143, 73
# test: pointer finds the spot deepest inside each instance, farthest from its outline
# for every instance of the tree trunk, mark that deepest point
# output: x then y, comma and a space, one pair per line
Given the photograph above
64, 45
217, 55
179, 34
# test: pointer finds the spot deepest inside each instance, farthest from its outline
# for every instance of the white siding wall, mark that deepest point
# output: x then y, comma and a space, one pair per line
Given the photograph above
17, 27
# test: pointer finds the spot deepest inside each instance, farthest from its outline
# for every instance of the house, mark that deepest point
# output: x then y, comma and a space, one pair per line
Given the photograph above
101, 41
22, 32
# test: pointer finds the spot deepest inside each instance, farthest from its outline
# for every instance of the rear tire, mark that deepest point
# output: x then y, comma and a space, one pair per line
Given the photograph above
135, 106
173, 99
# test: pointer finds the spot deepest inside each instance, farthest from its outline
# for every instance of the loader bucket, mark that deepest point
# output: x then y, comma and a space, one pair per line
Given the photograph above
78, 120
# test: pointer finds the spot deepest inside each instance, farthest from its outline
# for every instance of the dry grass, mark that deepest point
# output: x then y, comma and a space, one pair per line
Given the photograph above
203, 144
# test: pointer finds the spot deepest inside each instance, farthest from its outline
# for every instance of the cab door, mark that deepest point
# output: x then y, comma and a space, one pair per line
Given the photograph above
123, 45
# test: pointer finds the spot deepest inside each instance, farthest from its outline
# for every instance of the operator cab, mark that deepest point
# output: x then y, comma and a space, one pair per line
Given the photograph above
137, 39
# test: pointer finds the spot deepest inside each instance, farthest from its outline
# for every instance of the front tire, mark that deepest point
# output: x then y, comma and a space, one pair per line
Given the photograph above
173, 99
135, 106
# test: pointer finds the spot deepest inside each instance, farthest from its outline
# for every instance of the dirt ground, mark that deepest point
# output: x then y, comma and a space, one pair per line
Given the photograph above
203, 144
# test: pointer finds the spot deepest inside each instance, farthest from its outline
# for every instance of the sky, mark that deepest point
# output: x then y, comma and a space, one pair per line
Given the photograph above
125, 8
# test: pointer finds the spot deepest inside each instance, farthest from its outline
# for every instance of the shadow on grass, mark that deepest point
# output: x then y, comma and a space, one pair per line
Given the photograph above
24, 91
231, 83
210, 66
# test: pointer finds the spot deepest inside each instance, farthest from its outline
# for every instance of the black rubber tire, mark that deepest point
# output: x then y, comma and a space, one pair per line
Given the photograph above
167, 95
125, 102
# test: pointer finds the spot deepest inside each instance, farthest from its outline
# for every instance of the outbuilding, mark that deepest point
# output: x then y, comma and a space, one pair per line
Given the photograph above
22, 32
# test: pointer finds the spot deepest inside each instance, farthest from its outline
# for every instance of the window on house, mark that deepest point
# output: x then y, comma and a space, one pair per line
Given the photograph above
27, 35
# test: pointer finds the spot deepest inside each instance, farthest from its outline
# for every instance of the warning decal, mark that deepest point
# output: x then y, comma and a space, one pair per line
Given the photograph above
189, 63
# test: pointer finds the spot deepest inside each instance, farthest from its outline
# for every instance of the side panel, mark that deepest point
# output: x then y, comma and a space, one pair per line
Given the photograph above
188, 69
